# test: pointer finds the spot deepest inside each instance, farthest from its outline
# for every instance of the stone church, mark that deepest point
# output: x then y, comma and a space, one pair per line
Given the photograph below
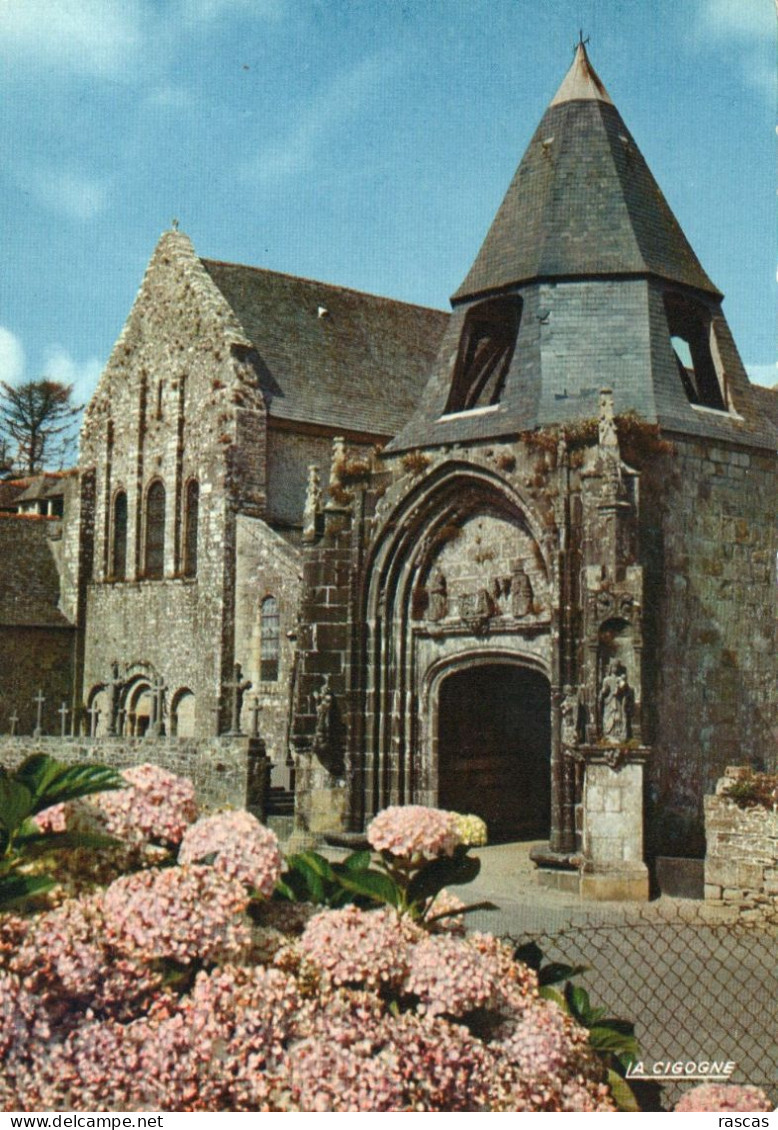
518, 559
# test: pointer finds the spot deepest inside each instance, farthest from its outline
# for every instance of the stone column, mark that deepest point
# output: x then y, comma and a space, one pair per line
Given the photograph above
613, 866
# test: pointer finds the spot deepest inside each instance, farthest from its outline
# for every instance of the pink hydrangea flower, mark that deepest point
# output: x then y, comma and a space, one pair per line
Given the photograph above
158, 806
72, 816
183, 913
414, 832
242, 848
449, 976
724, 1097
447, 904
65, 958
544, 1043
353, 946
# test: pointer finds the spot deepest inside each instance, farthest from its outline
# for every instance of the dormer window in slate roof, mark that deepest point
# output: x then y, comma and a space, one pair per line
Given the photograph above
485, 352
691, 333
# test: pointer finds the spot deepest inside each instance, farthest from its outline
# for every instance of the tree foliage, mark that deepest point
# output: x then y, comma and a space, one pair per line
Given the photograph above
37, 424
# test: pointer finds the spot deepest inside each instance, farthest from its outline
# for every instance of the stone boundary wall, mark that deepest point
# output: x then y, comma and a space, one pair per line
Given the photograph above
741, 862
223, 770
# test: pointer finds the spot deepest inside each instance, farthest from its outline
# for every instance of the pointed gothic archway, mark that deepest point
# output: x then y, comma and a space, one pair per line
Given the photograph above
494, 748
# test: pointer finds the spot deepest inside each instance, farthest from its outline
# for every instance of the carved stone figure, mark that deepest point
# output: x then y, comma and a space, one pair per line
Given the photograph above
568, 713
238, 686
616, 702
521, 591
313, 497
437, 608
325, 701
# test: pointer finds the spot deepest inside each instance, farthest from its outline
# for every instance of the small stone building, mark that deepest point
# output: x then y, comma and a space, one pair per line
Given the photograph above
556, 594
226, 385
549, 599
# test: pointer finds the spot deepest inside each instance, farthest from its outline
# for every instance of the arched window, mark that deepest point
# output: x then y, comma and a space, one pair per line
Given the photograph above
155, 531
119, 537
191, 517
485, 353
269, 640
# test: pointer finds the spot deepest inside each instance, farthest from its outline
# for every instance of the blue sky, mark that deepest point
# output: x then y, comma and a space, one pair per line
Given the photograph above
362, 142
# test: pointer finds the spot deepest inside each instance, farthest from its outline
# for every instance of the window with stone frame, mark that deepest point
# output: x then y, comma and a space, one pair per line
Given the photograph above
154, 563
485, 352
269, 640
191, 521
119, 537
689, 323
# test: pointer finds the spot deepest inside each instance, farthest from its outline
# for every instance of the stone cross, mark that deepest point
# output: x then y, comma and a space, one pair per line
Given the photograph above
63, 714
39, 700
238, 686
13, 720
158, 691
94, 714
255, 710
115, 686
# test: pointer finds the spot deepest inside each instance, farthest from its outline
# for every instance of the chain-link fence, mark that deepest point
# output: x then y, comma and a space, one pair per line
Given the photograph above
698, 991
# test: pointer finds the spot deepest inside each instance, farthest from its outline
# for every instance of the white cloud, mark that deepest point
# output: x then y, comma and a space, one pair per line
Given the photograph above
763, 374
206, 10
69, 193
116, 39
329, 110
85, 37
59, 366
11, 357
748, 29
746, 19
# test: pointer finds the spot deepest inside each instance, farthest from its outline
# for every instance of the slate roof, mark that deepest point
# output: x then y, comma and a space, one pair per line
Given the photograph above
29, 582
332, 356
767, 401
588, 243
583, 202
48, 484
11, 491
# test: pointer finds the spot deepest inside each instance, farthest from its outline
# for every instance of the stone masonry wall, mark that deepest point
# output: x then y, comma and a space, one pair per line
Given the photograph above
218, 767
178, 401
35, 659
709, 542
741, 861
267, 565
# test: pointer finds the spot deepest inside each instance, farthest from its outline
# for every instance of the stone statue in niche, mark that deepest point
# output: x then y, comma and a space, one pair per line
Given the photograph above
437, 608
616, 702
521, 591
327, 737
325, 701
568, 713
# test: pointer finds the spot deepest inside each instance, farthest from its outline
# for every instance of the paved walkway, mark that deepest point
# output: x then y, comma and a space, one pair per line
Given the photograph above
698, 983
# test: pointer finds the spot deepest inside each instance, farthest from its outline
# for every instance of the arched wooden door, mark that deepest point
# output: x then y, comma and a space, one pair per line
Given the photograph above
494, 747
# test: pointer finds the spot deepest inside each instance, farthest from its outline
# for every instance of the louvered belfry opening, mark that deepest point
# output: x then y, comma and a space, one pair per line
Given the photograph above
485, 352
690, 334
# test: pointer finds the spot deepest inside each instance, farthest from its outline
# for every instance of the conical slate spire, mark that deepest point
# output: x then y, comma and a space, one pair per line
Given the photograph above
581, 83
583, 203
